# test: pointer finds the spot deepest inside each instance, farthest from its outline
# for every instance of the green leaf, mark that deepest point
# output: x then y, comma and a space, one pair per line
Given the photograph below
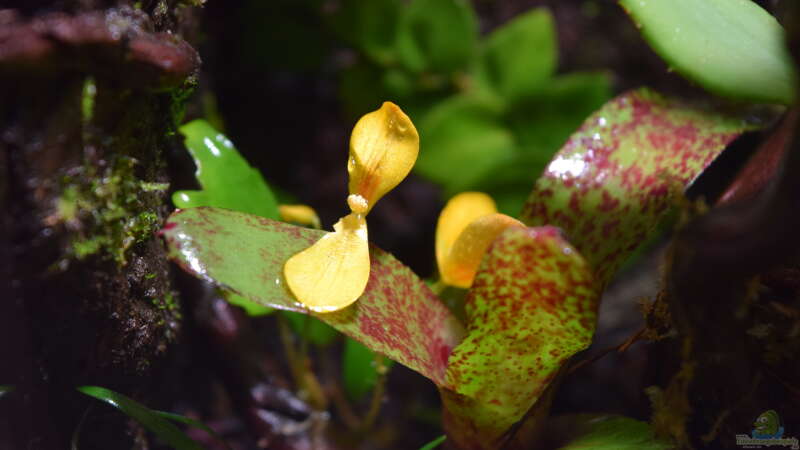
437, 35
228, 181
520, 56
397, 316
463, 142
251, 308
311, 329
151, 420
731, 47
434, 443
359, 369
370, 25
543, 123
532, 305
606, 432
192, 423
620, 173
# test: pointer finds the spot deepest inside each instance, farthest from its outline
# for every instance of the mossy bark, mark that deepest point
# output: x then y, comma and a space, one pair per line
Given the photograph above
88, 105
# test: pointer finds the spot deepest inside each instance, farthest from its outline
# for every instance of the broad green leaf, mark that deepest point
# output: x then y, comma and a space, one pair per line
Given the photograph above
228, 181
532, 305
152, 420
620, 173
606, 432
544, 122
397, 316
315, 331
463, 140
520, 56
434, 443
370, 25
437, 35
731, 47
359, 369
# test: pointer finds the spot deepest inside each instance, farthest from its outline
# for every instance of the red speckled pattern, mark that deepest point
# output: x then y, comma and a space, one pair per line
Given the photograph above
616, 177
531, 307
397, 315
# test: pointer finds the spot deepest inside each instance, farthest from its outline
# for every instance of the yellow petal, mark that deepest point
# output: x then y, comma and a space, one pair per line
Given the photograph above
383, 148
459, 212
332, 273
465, 256
302, 214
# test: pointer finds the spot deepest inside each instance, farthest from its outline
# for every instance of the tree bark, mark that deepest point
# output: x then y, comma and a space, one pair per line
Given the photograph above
90, 92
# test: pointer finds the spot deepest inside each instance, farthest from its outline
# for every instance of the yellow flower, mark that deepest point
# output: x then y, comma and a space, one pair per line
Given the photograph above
467, 226
300, 214
333, 273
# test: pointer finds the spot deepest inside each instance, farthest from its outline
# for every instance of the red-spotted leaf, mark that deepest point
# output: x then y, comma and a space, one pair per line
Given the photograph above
397, 315
613, 181
532, 305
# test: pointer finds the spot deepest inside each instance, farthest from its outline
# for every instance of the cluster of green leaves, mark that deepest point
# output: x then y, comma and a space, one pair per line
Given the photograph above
228, 181
484, 105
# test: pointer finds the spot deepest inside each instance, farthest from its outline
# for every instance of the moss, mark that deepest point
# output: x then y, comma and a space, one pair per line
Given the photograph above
87, 247
179, 97
68, 204
111, 209
87, 99
148, 186
168, 303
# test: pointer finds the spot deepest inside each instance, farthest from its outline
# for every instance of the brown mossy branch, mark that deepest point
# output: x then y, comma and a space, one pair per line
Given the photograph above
118, 44
89, 289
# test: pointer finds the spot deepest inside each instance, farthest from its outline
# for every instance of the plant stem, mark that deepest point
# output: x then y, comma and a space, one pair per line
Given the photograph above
299, 364
377, 394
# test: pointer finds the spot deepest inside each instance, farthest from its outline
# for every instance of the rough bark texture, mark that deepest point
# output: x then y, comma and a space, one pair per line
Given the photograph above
89, 96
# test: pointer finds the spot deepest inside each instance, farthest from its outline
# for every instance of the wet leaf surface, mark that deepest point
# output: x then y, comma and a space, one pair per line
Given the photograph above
397, 315
620, 173
224, 175
531, 307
